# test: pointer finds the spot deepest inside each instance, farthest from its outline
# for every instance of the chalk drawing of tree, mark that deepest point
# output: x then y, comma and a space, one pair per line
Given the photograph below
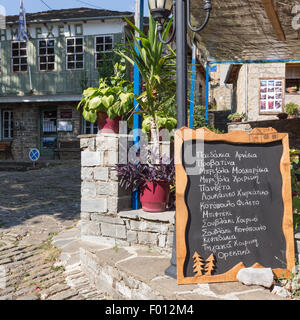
198, 264
209, 265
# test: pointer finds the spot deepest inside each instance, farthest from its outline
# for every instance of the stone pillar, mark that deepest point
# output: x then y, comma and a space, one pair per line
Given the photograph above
101, 196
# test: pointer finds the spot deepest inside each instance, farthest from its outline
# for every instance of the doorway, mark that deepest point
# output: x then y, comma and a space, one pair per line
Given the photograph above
48, 141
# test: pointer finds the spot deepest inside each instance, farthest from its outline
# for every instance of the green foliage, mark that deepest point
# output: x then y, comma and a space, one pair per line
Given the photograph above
295, 171
158, 71
199, 119
161, 120
114, 96
236, 116
292, 109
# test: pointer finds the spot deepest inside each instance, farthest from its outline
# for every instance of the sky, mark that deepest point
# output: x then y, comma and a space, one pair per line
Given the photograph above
12, 6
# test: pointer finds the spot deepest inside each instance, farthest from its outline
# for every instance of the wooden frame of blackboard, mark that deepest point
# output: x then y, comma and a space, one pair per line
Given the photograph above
282, 94
257, 136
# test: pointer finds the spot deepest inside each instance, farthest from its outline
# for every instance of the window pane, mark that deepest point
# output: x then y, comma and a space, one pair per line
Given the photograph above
51, 66
108, 47
79, 41
15, 53
108, 39
23, 60
42, 51
22, 52
22, 45
71, 65
15, 45
50, 51
70, 42
79, 57
16, 61
24, 67
42, 43
16, 68
43, 66
99, 40
71, 58
79, 65
51, 43
99, 48
70, 49
51, 58
79, 49
43, 59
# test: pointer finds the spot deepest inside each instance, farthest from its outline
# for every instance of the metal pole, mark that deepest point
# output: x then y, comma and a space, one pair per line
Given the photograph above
181, 65
181, 62
192, 96
207, 92
137, 119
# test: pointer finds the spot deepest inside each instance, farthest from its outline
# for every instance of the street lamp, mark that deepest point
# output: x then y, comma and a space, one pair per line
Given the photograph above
161, 11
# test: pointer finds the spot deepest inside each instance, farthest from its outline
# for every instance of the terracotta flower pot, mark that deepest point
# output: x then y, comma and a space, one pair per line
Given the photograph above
106, 125
154, 196
237, 120
291, 90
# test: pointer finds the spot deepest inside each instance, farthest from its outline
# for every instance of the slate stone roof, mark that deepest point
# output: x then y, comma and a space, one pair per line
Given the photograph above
69, 14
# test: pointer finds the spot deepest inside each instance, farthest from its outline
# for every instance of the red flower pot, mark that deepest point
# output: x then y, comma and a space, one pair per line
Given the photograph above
154, 196
107, 125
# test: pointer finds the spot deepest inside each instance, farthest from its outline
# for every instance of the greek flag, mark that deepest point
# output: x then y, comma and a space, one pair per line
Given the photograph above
22, 35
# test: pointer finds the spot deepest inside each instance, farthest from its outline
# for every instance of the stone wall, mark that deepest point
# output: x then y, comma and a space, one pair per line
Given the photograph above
105, 206
291, 126
27, 134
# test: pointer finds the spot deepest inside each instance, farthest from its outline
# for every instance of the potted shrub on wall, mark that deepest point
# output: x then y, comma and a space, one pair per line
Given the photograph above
153, 179
236, 117
292, 109
111, 102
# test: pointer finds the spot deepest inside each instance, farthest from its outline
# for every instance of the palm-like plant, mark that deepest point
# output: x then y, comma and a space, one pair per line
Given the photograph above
158, 71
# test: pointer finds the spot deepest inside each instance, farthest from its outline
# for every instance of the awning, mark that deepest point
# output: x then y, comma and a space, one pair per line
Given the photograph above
249, 29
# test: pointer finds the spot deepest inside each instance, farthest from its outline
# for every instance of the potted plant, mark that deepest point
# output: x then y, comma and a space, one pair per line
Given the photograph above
236, 117
282, 115
157, 101
111, 102
292, 109
292, 89
154, 181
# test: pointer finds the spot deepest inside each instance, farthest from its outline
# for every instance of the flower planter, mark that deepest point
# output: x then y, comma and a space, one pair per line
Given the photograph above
282, 116
292, 117
154, 196
237, 120
106, 125
290, 90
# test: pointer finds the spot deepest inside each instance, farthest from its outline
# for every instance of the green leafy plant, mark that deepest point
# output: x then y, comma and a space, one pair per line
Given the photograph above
292, 109
236, 116
158, 71
295, 173
114, 96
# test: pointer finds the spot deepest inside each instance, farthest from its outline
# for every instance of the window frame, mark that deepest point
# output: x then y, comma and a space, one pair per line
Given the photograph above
95, 46
46, 55
69, 54
10, 125
19, 56
93, 125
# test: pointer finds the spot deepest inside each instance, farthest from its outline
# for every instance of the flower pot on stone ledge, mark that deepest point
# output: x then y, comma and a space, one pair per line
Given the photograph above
154, 196
106, 125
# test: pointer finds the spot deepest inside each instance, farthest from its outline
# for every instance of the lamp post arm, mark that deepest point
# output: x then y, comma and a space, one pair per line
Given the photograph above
160, 27
207, 8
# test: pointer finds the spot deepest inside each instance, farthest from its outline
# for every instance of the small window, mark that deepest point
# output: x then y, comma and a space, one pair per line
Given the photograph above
75, 58
19, 56
7, 124
89, 127
47, 55
103, 50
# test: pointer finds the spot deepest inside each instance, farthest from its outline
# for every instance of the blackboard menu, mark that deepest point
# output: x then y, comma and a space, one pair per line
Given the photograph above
235, 214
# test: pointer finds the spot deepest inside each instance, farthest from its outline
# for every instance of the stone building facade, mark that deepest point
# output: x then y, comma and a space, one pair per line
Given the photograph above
41, 81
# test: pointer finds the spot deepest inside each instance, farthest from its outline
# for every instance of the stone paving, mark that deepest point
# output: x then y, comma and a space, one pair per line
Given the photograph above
34, 207
41, 251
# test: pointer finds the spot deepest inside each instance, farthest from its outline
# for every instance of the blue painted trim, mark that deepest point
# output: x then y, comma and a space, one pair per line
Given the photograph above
192, 95
137, 119
207, 91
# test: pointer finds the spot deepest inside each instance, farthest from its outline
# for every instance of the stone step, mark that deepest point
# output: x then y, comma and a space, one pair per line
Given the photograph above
138, 273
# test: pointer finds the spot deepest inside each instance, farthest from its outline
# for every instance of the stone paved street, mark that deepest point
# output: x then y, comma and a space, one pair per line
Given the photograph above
35, 206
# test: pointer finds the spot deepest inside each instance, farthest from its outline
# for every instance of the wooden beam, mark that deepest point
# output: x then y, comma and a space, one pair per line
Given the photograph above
273, 17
